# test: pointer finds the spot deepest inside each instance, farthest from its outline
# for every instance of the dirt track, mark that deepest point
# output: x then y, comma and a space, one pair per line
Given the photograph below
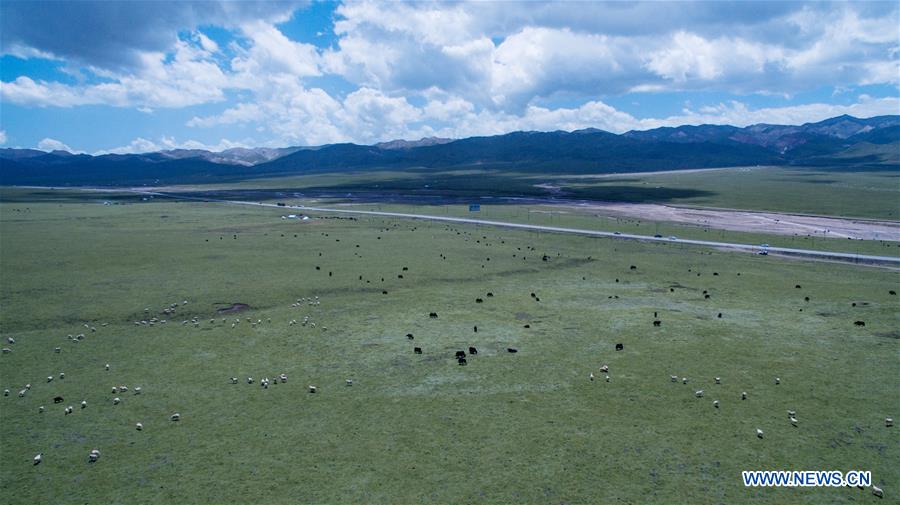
759, 222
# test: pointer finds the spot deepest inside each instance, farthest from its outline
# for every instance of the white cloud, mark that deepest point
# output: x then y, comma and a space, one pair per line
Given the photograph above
504, 56
142, 145
272, 52
2, 137
49, 144
406, 70
688, 56
739, 114
187, 77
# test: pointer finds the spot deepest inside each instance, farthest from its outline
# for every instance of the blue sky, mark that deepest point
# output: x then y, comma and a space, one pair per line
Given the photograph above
134, 76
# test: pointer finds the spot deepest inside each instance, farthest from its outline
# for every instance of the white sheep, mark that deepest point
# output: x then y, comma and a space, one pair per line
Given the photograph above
57, 350
94, 455
49, 378
139, 426
673, 378
607, 378
115, 389
107, 367
793, 422
744, 395
877, 491
116, 400
123, 388
137, 390
312, 389
175, 417
716, 403
350, 381
11, 340
7, 350
37, 459
234, 380
249, 380
83, 404
5, 392
684, 380
792, 413
62, 375
777, 381
888, 421
718, 380
69, 410
759, 433
27, 386
591, 377
22, 393
283, 377
698, 393
41, 409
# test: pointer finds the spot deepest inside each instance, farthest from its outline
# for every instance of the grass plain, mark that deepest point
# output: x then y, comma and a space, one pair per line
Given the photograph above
872, 194
526, 427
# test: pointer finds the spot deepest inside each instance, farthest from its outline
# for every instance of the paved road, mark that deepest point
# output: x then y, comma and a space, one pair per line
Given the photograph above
837, 256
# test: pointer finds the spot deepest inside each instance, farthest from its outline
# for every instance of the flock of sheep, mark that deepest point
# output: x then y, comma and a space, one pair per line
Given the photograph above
172, 309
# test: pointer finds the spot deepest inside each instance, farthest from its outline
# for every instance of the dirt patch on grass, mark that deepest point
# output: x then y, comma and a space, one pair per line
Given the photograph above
755, 222
232, 308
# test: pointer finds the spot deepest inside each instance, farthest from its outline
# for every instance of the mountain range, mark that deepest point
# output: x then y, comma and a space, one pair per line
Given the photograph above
872, 143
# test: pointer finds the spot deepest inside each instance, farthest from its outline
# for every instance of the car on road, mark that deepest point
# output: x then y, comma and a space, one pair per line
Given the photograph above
657, 236
673, 237
617, 233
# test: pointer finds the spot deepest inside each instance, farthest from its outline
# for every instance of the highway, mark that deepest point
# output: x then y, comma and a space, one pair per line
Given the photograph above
809, 253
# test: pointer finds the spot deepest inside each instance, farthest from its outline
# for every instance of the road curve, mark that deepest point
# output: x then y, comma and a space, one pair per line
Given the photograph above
809, 253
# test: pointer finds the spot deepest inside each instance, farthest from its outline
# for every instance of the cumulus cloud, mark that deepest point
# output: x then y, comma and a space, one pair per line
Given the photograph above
113, 35
407, 70
739, 114
185, 77
142, 145
515, 52
49, 144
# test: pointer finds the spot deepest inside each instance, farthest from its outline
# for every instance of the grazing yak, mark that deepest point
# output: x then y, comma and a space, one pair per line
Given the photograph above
461, 361
619, 347
859, 323
410, 336
657, 322
417, 350
433, 315
473, 350
512, 350
460, 354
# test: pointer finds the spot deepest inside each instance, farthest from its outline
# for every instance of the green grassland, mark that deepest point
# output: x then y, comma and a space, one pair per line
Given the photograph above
820, 191
507, 428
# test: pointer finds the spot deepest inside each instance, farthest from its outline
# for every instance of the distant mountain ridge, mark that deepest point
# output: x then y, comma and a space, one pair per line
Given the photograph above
842, 140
